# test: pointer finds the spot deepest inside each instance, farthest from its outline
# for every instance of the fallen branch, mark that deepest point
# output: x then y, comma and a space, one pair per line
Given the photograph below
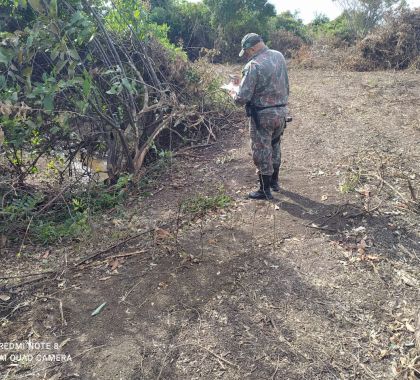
417, 332
413, 194
365, 211
43, 274
126, 254
52, 200
28, 275
60, 305
96, 254
368, 372
273, 377
328, 217
402, 196
218, 356
313, 225
193, 147
141, 153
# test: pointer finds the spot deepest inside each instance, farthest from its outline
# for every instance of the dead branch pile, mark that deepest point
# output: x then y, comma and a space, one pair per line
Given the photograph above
385, 180
117, 95
321, 54
395, 45
286, 42
119, 92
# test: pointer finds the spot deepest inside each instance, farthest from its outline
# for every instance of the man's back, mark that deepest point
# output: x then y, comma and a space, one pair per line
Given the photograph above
265, 81
272, 87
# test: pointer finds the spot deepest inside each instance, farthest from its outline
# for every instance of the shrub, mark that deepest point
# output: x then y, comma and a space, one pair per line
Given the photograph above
200, 204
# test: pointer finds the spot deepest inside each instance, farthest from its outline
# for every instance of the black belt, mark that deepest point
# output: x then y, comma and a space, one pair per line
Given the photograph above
252, 111
275, 106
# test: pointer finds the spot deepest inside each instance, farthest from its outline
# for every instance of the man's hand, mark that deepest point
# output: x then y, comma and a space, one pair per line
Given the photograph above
235, 79
232, 87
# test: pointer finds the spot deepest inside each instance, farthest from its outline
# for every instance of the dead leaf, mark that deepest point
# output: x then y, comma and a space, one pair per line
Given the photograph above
46, 254
409, 327
417, 332
361, 249
401, 205
359, 229
98, 309
56, 376
3, 241
64, 342
115, 263
161, 234
407, 279
4, 297
384, 354
372, 258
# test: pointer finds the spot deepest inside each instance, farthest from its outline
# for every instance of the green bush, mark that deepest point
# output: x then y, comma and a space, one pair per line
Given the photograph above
200, 204
339, 29
290, 22
54, 231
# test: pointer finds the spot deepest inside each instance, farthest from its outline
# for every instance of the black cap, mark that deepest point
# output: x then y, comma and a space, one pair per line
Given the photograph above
249, 40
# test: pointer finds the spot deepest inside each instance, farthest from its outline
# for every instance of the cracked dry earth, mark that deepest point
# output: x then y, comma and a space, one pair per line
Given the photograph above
309, 286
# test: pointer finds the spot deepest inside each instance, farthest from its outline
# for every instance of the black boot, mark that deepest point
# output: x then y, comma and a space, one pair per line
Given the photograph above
274, 183
264, 191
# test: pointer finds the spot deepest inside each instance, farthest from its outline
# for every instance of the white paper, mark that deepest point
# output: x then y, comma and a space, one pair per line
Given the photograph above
230, 87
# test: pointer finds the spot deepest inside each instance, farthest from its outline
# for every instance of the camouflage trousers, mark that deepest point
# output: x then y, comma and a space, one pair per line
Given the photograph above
265, 141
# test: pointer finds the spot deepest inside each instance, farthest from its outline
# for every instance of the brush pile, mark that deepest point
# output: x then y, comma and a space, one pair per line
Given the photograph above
395, 45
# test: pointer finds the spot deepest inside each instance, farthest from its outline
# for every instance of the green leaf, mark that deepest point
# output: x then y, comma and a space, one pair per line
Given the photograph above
98, 309
127, 84
54, 28
60, 65
53, 8
48, 102
73, 54
113, 90
31, 124
71, 69
54, 54
30, 40
27, 71
76, 17
6, 55
55, 129
136, 14
36, 5
87, 85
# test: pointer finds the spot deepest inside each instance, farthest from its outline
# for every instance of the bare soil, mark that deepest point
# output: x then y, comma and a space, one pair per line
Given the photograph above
317, 284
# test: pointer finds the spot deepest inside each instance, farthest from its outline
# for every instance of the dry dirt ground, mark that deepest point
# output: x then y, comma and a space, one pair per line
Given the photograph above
317, 284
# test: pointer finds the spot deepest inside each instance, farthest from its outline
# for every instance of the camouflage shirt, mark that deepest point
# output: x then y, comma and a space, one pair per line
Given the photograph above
264, 80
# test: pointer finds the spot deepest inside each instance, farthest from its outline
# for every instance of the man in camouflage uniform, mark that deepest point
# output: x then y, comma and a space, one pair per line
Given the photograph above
264, 89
